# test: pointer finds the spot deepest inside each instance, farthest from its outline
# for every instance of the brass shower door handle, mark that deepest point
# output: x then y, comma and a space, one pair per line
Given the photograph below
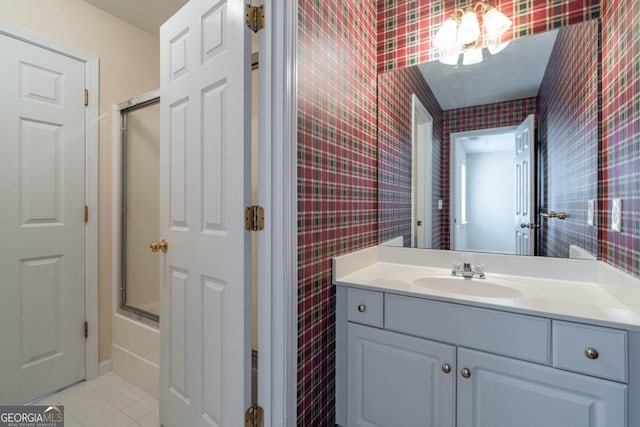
163, 246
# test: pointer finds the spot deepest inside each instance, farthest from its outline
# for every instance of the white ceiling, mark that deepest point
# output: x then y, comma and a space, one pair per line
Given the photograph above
514, 73
147, 15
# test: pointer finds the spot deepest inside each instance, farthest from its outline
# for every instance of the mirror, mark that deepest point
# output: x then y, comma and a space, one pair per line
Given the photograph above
500, 156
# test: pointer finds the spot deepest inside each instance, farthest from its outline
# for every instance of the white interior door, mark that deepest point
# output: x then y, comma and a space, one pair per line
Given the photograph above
524, 171
42, 199
422, 161
204, 187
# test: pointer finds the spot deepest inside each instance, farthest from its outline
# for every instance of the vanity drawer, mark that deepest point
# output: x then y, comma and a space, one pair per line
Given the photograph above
519, 336
608, 355
364, 307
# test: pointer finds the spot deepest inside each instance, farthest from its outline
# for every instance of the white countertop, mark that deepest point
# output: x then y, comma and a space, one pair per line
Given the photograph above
602, 295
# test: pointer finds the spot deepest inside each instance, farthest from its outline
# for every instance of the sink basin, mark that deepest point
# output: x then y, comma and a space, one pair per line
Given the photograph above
472, 287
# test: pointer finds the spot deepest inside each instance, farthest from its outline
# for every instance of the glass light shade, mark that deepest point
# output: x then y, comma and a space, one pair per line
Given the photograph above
445, 38
471, 57
495, 22
450, 59
469, 30
497, 47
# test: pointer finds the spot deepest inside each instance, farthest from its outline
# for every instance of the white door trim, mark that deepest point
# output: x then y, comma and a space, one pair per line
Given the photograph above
277, 193
421, 180
91, 62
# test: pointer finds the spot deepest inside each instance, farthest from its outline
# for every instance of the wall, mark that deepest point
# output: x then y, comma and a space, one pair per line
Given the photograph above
508, 113
394, 153
491, 202
568, 134
337, 178
620, 153
129, 65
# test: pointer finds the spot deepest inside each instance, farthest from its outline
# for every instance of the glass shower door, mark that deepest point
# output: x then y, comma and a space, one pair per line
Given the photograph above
140, 268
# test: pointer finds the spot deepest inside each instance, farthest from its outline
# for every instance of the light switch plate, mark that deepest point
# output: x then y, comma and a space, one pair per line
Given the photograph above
591, 207
440, 204
616, 215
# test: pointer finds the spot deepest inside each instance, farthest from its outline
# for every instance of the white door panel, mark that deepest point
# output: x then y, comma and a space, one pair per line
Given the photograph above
205, 150
524, 171
42, 198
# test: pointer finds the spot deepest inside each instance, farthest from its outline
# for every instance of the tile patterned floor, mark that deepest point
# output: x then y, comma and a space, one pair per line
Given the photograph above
107, 401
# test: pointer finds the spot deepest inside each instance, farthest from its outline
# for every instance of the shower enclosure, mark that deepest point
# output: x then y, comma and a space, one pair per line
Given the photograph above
140, 151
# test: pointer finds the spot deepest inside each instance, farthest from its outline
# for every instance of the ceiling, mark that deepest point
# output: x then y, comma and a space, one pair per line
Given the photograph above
147, 15
514, 73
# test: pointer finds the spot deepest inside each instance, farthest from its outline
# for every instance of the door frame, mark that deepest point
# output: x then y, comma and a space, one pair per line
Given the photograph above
453, 158
421, 168
277, 193
91, 64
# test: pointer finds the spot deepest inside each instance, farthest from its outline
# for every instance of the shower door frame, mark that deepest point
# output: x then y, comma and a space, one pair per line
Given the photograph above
119, 196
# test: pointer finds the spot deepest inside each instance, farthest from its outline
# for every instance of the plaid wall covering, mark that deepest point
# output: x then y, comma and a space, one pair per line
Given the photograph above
619, 167
395, 90
568, 140
508, 113
406, 27
337, 178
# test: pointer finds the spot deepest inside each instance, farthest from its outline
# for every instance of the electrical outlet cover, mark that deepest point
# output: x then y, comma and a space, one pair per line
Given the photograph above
616, 215
590, 211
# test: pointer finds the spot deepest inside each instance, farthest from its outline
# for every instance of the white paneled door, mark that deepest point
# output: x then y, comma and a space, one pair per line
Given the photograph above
525, 193
42, 199
204, 187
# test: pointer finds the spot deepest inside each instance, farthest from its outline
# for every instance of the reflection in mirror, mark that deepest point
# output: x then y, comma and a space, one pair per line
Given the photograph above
512, 144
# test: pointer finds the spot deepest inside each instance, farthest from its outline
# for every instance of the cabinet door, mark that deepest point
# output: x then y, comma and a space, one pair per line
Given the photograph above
397, 380
502, 392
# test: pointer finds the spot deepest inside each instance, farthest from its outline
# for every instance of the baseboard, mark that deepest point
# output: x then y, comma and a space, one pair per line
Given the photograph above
104, 367
138, 371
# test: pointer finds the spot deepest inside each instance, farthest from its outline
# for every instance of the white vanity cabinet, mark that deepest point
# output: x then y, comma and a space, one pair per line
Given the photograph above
412, 361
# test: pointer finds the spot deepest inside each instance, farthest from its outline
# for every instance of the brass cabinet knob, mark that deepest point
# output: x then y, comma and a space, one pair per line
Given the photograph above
446, 368
362, 308
466, 373
591, 353
163, 246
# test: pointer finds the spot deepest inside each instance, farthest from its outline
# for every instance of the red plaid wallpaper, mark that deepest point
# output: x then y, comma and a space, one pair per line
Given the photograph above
395, 91
567, 125
619, 165
337, 178
406, 27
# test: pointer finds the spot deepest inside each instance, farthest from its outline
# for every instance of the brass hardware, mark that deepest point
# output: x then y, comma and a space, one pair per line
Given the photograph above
154, 246
86, 329
254, 17
553, 214
362, 308
419, 223
591, 353
86, 214
530, 226
466, 373
446, 368
164, 245
254, 218
86, 97
254, 416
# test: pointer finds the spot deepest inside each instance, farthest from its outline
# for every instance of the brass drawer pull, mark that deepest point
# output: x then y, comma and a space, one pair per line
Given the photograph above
591, 353
362, 308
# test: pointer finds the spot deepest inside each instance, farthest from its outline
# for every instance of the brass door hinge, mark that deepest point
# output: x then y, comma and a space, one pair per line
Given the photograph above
254, 17
254, 417
86, 214
86, 329
86, 97
254, 218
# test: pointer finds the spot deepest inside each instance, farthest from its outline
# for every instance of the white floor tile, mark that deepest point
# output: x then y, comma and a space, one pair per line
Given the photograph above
138, 410
149, 420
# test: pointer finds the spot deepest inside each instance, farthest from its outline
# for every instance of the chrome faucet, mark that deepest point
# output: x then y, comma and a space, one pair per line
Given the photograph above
468, 271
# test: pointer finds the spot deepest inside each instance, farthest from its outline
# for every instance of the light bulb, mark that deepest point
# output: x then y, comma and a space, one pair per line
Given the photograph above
469, 30
495, 22
445, 38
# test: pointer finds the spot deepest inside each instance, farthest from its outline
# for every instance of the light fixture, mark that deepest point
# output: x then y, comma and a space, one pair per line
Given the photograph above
461, 34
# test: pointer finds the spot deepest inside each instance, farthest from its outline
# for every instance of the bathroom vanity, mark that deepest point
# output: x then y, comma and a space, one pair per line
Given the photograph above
539, 342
